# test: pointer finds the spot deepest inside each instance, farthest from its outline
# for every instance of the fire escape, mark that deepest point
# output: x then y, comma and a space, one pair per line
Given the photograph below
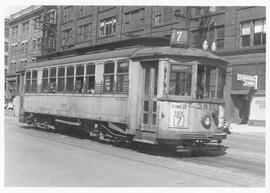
203, 28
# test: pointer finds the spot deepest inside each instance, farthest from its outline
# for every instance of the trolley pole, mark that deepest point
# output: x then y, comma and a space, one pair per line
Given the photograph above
187, 24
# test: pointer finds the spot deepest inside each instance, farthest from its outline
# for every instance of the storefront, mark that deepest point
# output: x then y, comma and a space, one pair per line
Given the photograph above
248, 94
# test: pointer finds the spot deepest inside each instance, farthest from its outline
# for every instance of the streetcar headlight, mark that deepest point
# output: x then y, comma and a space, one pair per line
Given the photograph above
206, 121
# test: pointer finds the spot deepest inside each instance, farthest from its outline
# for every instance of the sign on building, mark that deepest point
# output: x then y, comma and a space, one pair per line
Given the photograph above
249, 81
179, 38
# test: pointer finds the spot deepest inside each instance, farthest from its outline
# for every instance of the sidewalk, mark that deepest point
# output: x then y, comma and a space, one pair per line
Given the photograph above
245, 129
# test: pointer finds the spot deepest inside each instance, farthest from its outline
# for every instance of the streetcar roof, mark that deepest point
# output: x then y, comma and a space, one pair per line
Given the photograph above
134, 52
119, 53
174, 51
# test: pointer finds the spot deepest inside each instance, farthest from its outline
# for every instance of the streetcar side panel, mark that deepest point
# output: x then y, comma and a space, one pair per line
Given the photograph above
102, 108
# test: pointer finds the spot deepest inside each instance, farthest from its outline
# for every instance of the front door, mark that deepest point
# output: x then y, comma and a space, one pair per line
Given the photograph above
149, 102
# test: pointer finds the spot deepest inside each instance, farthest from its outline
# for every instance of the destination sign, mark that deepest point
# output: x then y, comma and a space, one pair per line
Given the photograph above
179, 38
180, 68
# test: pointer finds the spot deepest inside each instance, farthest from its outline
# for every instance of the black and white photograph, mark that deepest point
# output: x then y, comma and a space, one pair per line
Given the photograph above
134, 95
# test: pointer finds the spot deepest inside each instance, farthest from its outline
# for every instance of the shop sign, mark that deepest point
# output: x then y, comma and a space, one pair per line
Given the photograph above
249, 81
179, 115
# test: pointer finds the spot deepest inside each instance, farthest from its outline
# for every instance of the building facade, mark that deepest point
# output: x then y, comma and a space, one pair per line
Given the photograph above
28, 30
238, 33
6, 56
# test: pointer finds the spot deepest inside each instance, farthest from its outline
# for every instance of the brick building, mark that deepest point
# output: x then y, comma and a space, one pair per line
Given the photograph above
28, 30
6, 55
239, 33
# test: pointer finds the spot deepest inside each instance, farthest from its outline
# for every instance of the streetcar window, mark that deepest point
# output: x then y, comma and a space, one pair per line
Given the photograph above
210, 82
180, 80
221, 82
108, 77
90, 78
34, 81
27, 81
52, 80
45, 83
122, 77
79, 79
70, 79
61, 79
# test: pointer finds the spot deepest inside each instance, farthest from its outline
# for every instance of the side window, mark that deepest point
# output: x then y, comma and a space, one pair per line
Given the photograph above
52, 80
34, 81
27, 81
79, 78
70, 79
122, 77
90, 78
45, 80
61, 79
180, 80
108, 86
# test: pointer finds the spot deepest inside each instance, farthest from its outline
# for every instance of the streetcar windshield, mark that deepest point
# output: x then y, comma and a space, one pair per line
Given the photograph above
210, 82
180, 80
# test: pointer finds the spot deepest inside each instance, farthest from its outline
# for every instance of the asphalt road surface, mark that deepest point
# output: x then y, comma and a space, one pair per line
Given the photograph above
38, 158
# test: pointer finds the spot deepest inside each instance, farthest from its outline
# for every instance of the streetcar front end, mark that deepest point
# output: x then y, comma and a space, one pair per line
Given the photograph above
191, 109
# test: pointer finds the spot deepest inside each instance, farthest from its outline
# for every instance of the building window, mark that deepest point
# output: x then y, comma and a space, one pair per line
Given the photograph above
37, 24
25, 28
6, 31
79, 78
157, 15
15, 32
52, 17
259, 32
51, 42
90, 78
6, 60
253, 33
107, 26
84, 11
67, 14
245, 34
52, 80
122, 77
167, 14
45, 80
61, 79
85, 32
70, 79
180, 80
34, 44
67, 37
220, 35
6, 46
108, 77
26, 46
134, 19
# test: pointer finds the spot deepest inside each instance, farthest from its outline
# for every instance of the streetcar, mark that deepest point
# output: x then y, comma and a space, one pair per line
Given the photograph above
159, 95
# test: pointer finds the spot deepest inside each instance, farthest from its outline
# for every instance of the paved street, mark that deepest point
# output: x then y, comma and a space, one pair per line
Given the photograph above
40, 158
